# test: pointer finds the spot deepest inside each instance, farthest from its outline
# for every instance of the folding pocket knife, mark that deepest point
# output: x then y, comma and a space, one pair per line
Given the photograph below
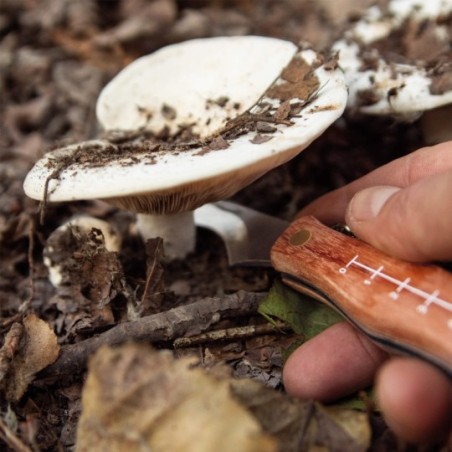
402, 306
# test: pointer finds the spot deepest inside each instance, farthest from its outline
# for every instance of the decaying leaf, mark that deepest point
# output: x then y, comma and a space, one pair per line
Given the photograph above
305, 315
38, 349
136, 398
88, 278
342, 429
83, 264
259, 138
304, 425
10, 347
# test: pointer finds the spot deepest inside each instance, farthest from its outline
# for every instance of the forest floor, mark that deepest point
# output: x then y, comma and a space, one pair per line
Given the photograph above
55, 57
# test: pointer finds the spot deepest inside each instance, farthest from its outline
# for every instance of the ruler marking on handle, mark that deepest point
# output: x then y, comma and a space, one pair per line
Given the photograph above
343, 270
432, 298
374, 274
403, 285
429, 298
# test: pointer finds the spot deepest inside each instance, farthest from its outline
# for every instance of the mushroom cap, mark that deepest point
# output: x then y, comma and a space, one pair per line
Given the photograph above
378, 83
297, 97
189, 80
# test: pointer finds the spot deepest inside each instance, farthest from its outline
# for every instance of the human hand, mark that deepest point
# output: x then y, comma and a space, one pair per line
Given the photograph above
403, 208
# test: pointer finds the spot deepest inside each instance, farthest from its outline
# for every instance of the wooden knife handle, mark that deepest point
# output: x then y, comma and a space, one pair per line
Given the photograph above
401, 305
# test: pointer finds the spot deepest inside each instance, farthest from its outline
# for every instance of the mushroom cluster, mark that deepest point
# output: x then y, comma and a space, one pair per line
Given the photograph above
194, 123
397, 58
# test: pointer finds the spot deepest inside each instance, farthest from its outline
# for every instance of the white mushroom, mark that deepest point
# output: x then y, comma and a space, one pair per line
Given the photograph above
205, 118
386, 68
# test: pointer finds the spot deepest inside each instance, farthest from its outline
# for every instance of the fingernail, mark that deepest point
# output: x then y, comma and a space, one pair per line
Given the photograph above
367, 203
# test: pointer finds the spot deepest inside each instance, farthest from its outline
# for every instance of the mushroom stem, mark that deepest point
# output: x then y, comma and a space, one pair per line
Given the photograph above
177, 230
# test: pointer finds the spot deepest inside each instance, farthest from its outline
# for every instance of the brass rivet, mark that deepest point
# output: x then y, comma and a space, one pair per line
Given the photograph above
300, 237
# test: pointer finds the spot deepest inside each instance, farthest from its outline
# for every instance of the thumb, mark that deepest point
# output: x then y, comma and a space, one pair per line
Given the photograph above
412, 223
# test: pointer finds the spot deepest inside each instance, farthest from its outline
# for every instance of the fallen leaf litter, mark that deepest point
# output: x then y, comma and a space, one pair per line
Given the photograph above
47, 414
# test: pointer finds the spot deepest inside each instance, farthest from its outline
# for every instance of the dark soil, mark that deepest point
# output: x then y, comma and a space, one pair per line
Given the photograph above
55, 56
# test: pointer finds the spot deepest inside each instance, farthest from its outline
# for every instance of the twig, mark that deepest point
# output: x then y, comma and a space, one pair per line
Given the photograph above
61, 164
45, 201
155, 260
148, 282
6, 323
31, 246
235, 333
11, 439
165, 326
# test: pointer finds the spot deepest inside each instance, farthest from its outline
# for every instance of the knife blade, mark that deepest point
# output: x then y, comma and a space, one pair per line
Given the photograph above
402, 306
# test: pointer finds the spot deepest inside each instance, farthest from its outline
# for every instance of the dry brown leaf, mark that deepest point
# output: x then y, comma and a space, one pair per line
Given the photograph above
38, 349
90, 279
304, 425
136, 398
84, 265
10, 347
342, 429
259, 138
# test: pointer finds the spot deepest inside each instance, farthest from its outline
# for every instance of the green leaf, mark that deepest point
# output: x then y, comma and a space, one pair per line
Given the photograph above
364, 400
305, 315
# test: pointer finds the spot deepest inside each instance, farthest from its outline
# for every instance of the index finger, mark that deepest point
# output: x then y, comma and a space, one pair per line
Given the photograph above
330, 208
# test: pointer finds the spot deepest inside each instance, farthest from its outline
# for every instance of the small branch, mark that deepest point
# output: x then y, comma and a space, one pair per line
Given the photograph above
11, 439
228, 334
191, 319
31, 265
148, 280
45, 201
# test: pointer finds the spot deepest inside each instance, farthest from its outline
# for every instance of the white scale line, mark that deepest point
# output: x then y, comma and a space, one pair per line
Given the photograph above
403, 285
374, 274
377, 272
352, 261
430, 298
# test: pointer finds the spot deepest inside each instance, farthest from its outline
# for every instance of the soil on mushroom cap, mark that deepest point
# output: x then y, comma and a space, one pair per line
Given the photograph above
298, 87
128, 147
418, 44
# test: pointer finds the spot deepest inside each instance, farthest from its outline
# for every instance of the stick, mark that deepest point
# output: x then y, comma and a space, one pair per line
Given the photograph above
11, 439
230, 334
191, 319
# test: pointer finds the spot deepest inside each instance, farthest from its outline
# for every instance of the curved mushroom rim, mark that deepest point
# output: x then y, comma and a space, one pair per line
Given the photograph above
227, 170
